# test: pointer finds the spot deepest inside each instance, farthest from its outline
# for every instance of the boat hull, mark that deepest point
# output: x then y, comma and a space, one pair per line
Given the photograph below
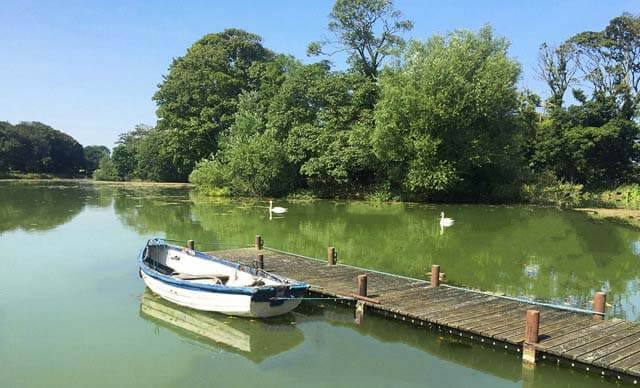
225, 303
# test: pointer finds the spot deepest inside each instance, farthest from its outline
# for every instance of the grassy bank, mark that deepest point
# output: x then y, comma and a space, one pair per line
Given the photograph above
629, 217
32, 176
48, 177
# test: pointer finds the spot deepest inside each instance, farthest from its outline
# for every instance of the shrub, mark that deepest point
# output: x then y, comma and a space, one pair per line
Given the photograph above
627, 196
549, 190
210, 177
105, 171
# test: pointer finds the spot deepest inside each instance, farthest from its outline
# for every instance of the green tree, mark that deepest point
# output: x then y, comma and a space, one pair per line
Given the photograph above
610, 62
125, 154
595, 142
153, 158
326, 119
105, 171
37, 148
368, 30
446, 120
14, 148
587, 144
93, 154
198, 97
557, 68
251, 160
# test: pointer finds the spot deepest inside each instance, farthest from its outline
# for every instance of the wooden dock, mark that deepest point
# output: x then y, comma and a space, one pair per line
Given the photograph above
580, 340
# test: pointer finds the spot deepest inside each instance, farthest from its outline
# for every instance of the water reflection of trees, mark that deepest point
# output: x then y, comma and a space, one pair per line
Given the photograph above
39, 206
489, 247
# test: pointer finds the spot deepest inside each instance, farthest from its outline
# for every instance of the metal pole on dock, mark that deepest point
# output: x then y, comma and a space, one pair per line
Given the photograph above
259, 263
332, 256
435, 275
259, 242
191, 245
599, 305
531, 330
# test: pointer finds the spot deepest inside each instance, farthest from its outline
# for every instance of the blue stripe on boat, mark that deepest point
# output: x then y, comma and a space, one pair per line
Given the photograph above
259, 294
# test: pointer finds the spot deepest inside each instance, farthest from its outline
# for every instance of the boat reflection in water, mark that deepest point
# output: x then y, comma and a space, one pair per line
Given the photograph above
256, 340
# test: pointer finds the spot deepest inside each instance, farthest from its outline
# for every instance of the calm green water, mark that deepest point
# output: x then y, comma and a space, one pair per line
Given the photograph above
73, 311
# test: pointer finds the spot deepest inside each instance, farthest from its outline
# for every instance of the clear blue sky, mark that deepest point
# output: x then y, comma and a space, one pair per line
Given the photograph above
90, 68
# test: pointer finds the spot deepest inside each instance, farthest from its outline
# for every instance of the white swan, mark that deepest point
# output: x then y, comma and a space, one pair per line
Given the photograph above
277, 209
445, 221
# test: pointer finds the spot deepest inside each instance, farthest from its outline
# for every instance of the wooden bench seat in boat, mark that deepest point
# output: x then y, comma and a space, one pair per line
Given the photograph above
218, 278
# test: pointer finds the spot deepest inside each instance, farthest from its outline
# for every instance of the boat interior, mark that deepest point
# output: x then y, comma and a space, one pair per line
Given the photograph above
184, 264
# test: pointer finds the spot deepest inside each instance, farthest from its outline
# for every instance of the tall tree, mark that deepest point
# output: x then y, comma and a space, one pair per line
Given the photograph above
368, 30
93, 154
610, 61
446, 119
198, 97
36, 147
556, 67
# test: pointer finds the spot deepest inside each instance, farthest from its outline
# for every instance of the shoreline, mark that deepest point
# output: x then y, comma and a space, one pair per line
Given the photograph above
628, 217
105, 183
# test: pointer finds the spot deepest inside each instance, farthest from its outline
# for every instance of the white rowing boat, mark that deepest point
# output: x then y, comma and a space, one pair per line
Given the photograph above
204, 282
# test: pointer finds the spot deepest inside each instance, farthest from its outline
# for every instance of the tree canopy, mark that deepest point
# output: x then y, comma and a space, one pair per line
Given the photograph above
34, 147
367, 30
446, 116
198, 97
444, 120
94, 154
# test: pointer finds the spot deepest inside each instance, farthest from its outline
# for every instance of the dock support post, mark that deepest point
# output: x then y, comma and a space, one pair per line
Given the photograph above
259, 242
259, 263
191, 245
332, 256
528, 375
362, 291
359, 312
362, 285
435, 275
599, 305
531, 329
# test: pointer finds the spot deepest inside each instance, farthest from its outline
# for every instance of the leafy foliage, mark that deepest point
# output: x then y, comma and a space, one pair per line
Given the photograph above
198, 97
93, 154
369, 30
443, 122
34, 147
105, 171
446, 117
549, 190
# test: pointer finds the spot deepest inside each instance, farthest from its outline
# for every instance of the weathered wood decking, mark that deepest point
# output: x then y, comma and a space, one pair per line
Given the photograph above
608, 347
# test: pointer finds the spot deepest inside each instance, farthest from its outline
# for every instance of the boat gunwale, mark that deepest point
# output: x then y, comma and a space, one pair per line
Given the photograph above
292, 286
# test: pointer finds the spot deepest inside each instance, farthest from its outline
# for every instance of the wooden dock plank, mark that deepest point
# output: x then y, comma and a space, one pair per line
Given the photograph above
610, 344
570, 341
627, 364
546, 319
549, 330
604, 346
435, 312
595, 342
618, 351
